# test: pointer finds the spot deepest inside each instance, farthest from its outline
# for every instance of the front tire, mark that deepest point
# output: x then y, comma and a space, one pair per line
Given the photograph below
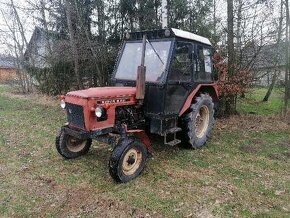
128, 160
70, 147
198, 123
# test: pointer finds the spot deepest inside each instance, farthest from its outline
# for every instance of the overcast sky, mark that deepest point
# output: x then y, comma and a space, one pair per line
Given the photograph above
27, 19
29, 22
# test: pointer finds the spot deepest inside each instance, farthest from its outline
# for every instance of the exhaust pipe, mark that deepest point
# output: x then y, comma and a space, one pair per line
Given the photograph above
141, 74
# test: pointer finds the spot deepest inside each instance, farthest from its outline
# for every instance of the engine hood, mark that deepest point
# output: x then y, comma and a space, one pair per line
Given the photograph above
104, 92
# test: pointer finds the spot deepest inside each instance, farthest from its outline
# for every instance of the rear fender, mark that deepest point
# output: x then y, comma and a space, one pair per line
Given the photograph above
211, 89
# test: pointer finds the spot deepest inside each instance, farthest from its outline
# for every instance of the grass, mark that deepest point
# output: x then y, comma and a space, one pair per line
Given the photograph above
253, 103
242, 172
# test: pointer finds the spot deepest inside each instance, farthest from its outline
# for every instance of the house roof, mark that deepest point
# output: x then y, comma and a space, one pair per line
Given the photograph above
37, 33
7, 62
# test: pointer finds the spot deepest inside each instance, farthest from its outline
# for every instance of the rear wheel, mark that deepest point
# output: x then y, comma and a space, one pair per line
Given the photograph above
71, 147
198, 123
128, 160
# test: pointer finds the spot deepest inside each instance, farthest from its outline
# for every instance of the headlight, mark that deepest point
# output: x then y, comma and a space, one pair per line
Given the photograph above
62, 104
99, 111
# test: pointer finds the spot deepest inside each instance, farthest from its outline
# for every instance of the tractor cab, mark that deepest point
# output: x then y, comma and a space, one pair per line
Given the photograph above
171, 55
177, 63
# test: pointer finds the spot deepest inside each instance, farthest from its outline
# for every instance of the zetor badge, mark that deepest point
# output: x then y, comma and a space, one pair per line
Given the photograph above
163, 84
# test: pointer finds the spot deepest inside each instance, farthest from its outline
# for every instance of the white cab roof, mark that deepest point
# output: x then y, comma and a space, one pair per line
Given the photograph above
191, 36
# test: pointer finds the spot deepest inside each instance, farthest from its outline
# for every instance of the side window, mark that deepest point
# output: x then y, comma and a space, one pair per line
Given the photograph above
204, 63
181, 67
200, 59
207, 60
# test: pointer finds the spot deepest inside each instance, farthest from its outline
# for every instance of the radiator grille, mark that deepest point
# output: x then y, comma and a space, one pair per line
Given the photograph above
75, 115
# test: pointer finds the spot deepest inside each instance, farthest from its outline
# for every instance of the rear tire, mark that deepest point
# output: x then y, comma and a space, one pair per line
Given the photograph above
198, 123
128, 160
70, 147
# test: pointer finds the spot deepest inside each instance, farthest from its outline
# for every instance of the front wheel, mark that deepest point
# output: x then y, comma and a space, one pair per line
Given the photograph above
128, 160
198, 123
70, 147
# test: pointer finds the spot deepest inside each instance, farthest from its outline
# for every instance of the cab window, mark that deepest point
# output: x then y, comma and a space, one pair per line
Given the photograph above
181, 67
204, 63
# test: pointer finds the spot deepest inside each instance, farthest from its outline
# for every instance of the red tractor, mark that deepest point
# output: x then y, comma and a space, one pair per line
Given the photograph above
163, 84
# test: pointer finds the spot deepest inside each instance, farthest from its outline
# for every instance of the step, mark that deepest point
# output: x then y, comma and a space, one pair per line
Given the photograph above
173, 130
173, 142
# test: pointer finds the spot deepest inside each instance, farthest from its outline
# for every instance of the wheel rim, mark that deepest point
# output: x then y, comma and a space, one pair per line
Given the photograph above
75, 145
202, 121
131, 162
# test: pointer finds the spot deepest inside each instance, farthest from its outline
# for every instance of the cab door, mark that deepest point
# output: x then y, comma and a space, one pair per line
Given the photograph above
203, 59
180, 77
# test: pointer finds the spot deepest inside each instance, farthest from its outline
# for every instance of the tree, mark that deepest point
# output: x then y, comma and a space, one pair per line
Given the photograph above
16, 32
73, 43
231, 48
277, 56
228, 98
287, 73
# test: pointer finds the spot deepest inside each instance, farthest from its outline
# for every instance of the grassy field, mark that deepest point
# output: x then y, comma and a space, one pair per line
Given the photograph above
253, 102
242, 172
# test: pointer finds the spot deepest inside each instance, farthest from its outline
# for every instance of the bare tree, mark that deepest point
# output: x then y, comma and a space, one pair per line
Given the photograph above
19, 44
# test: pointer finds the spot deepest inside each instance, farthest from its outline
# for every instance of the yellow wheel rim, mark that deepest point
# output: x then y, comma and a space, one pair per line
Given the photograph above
131, 162
75, 145
202, 121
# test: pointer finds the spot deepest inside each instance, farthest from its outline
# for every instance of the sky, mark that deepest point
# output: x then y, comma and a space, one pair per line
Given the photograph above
29, 21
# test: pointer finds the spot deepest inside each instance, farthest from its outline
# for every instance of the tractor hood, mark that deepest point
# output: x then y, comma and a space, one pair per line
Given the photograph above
104, 92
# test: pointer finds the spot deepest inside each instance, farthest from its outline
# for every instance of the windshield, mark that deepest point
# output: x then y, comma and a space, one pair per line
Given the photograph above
131, 59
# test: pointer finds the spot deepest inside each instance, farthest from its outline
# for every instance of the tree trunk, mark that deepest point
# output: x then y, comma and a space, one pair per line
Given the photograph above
239, 33
287, 85
231, 52
271, 87
230, 106
101, 21
214, 23
276, 58
89, 41
45, 25
73, 43
156, 13
131, 23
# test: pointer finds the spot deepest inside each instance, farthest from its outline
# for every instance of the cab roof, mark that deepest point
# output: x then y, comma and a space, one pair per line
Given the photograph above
188, 35
160, 34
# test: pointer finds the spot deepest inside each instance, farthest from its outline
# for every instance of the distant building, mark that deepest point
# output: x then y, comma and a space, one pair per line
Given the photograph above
38, 49
265, 61
46, 47
8, 69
